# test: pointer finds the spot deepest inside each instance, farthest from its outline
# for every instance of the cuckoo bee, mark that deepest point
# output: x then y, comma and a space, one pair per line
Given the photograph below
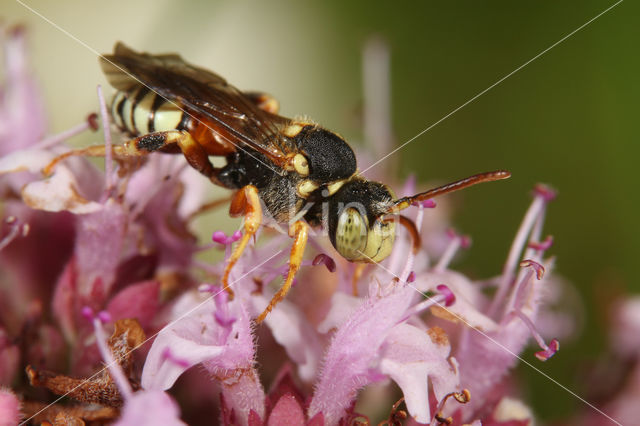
168, 105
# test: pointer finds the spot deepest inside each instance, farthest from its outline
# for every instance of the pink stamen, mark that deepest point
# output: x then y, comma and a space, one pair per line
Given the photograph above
91, 123
445, 297
457, 241
550, 351
408, 267
538, 268
104, 316
545, 192
536, 209
169, 356
427, 204
87, 313
543, 245
547, 351
519, 296
412, 277
462, 397
326, 260
108, 154
221, 238
449, 297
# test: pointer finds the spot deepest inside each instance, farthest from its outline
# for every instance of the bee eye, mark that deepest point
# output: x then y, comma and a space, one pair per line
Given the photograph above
351, 234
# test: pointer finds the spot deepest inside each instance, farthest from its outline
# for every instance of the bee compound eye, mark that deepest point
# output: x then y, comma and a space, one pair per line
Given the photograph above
351, 234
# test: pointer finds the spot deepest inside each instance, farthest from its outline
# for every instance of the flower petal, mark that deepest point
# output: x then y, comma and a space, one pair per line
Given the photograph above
9, 408
139, 301
287, 412
411, 357
150, 407
58, 193
353, 350
160, 372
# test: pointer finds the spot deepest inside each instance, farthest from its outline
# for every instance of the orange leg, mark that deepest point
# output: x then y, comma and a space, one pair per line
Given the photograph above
172, 141
92, 151
357, 274
211, 205
245, 202
300, 232
264, 101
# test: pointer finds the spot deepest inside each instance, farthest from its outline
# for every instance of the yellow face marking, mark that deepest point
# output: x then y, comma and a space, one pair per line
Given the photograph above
300, 165
306, 187
333, 188
292, 130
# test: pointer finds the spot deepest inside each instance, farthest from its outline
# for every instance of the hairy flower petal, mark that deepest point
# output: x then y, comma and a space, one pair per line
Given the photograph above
224, 348
353, 350
150, 407
9, 408
410, 357
291, 329
99, 242
160, 371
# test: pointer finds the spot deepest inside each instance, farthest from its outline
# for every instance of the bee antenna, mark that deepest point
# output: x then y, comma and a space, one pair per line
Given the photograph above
405, 202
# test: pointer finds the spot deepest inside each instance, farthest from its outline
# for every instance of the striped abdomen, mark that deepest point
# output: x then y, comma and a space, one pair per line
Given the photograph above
142, 111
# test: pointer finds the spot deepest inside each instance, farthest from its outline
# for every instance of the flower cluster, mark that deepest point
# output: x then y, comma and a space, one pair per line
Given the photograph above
84, 251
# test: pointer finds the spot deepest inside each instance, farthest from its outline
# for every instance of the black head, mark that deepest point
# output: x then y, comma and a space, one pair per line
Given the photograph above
330, 157
356, 226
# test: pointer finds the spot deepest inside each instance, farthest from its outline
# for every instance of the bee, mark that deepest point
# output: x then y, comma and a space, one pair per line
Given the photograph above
303, 174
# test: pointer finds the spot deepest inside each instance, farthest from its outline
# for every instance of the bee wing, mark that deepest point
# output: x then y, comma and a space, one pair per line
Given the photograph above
203, 94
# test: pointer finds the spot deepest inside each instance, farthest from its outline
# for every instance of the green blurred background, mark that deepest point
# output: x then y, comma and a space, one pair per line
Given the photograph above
567, 119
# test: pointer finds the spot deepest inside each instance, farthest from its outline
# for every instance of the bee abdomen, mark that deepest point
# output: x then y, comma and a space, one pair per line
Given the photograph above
143, 111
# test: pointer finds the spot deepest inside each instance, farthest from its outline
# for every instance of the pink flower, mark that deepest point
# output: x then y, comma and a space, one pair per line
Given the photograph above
9, 408
217, 334
120, 243
147, 407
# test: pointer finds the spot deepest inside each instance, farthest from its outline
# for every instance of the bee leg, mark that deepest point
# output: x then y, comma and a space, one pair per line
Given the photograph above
92, 151
172, 141
264, 101
195, 154
357, 274
245, 202
211, 205
300, 232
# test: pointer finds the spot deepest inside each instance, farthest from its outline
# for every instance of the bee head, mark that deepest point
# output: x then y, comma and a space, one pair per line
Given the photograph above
330, 157
356, 226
